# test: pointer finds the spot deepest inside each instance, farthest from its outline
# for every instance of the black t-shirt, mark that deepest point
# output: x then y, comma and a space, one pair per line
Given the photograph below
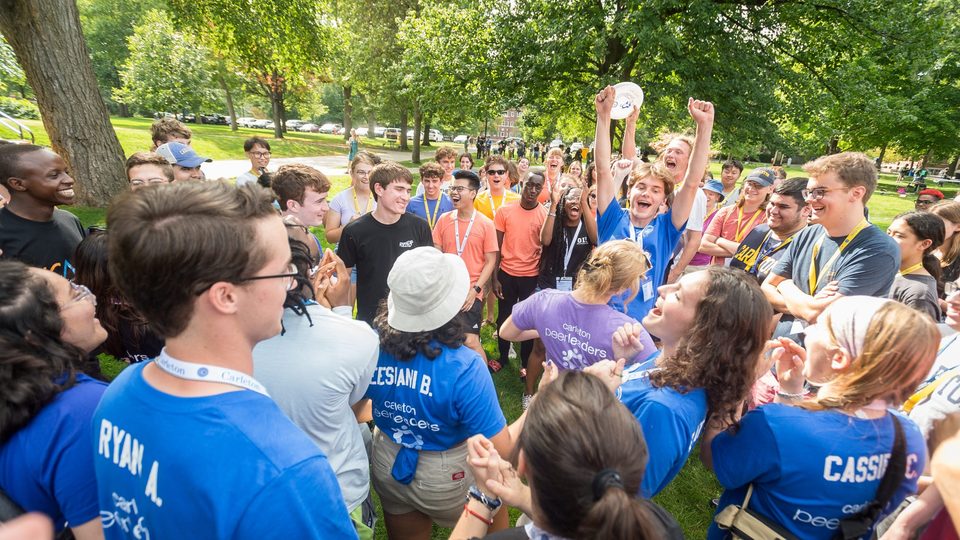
759, 243
44, 244
552, 257
372, 248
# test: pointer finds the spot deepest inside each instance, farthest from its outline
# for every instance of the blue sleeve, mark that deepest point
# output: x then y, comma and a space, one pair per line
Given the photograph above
415, 206
476, 404
750, 453
71, 466
610, 222
666, 445
303, 502
525, 313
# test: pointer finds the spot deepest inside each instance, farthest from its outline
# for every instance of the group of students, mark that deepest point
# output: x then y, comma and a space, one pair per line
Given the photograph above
251, 417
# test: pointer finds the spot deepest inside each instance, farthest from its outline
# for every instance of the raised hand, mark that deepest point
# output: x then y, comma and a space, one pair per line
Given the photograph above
789, 358
626, 341
484, 462
603, 103
700, 111
634, 114
608, 371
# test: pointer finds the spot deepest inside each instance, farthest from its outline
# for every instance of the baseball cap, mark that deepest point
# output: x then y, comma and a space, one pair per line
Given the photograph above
763, 176
427, 289
932, 192
715, 186
181, 154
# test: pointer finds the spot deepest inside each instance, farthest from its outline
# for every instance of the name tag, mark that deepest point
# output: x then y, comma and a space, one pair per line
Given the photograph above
564, 283
647, 287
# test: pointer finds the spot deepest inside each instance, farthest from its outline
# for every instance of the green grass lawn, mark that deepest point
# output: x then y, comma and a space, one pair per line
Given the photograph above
688, 496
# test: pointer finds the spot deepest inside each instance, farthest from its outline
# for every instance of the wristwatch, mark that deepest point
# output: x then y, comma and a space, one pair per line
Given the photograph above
477, 288
492, 504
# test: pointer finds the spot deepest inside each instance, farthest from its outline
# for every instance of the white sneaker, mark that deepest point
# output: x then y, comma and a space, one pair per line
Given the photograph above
525, 401
513, 354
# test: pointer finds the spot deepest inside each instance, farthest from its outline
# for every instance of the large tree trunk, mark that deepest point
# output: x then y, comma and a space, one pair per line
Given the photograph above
883, 150
347, 112
403, 128
426, 131
231, 112
952, 169
45, 36
417, 122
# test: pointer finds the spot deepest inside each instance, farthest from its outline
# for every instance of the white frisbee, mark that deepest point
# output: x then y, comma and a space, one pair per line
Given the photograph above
627, 96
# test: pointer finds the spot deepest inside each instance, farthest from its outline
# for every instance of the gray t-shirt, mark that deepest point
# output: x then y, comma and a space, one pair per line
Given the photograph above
247, 178
315, 374
866, 266
918, 291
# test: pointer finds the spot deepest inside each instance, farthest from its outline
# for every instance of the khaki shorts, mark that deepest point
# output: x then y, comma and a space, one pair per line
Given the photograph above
439, 487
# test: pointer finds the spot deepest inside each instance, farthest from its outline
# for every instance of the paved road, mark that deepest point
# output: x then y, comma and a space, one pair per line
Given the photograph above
329, 165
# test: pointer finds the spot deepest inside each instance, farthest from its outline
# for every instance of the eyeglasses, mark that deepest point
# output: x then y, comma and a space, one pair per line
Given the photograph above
79, 293
145, 181
290, 277
260, 155
816, 194
458, 189
925, 202
362, 172
496, 171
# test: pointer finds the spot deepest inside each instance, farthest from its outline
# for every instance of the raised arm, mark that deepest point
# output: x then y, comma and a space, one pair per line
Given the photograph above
628, 149
702, 114
606, 185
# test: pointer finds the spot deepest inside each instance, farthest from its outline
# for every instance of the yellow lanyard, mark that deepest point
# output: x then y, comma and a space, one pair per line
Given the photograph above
762, 255
431, 220
356, 203
912, 269
816, 251
738, 235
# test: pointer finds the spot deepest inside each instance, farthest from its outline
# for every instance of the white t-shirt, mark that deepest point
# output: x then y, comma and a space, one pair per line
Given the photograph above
444, 187
698, 212
946, 398
247, 178
315, 374
343, 205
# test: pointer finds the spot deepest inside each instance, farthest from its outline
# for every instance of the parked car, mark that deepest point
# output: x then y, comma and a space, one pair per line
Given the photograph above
392, 134
436, 136
362, 131
339, 130
215, 118
460, 139
309, 128
556, 143
330, 128
379, 131
246, 121
294, 124
576, 146
269, 125
260, 123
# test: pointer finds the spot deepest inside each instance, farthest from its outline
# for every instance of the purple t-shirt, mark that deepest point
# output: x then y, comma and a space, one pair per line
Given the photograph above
576, 335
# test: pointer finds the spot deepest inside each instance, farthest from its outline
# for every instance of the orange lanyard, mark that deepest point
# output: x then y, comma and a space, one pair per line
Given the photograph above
738, 235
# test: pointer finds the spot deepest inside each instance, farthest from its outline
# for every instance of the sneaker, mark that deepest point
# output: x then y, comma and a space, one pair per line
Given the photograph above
525, 401
513, 354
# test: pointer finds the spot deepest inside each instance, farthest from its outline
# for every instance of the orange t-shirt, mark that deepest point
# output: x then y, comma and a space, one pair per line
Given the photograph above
482, 240
520, 252
724, 225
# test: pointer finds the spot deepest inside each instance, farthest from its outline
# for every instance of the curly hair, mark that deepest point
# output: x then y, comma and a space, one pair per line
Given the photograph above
720, 351
406, 345
35, 363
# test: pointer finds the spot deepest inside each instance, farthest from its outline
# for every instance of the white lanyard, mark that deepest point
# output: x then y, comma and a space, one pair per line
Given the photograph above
633, 235
493, 209
456, 232
570, 246
202, 372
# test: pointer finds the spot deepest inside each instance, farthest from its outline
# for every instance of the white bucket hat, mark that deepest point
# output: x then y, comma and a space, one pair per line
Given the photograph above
427, 289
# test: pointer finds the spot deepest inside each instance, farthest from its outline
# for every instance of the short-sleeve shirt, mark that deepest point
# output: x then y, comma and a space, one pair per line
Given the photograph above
945, 399
918, 291
372, 247
866, 266
433, 405
815, 468
660, 237
671, 422
520, 252
725, 225
43, 244
247, 178
576, 335
489, 205
482, 240
230, 465
555, 266
417, 208
759, 252
342, 204
47, 466
702, 259
698, 212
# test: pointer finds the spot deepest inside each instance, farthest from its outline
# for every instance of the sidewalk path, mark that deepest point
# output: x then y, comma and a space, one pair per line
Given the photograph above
329, 165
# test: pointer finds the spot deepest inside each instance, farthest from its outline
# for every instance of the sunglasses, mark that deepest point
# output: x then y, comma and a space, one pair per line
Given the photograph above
496, 171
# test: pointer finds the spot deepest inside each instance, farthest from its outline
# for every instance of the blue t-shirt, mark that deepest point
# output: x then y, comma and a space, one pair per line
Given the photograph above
660, 238
671, 422
810, 469
47, 466
433, 405
416, 207
224, 466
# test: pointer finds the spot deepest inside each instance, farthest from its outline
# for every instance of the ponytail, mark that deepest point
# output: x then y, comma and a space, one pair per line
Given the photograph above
618, 514
612, 268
